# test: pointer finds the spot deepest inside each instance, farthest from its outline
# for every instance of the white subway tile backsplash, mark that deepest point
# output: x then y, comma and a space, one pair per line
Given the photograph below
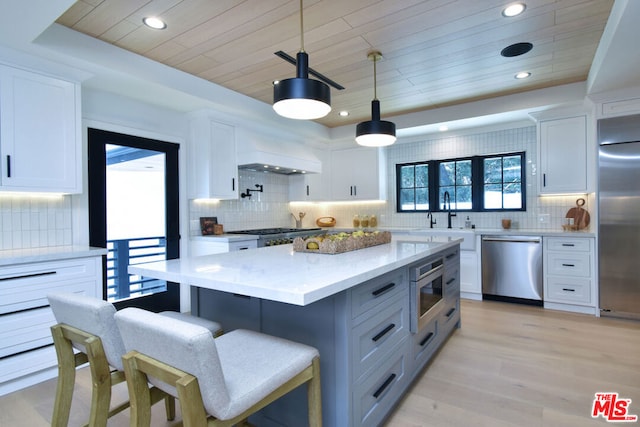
35, 221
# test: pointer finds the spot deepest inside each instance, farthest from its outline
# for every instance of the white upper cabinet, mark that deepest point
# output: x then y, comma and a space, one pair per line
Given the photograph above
358, 174
562, 154
40, 137
213, 167
312, 187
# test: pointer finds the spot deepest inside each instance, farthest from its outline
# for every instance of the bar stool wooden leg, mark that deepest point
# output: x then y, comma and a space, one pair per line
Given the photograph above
66, 378
139, 393
314, 396
170, 407
100, 383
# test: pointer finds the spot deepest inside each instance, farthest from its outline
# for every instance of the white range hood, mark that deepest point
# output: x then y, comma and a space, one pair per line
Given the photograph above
261, 153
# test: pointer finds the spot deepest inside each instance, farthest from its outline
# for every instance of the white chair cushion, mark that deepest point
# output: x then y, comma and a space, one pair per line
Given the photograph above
91, 315
255, 365
234, 371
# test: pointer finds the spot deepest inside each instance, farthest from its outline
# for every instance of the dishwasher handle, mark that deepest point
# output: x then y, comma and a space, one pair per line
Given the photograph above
512, 239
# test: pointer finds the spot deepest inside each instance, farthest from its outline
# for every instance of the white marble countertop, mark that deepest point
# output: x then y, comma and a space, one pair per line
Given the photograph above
278, 273
53, 253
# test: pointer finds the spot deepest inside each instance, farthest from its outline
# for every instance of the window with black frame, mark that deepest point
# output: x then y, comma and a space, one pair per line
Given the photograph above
476, 184
413, 191
503, 182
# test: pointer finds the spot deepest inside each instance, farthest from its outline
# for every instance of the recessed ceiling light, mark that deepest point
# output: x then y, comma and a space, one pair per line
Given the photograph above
522, 75
443, 128
343, 113
154, 22
514, 9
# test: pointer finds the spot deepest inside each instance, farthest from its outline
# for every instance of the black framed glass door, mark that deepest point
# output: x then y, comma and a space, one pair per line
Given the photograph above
134, 213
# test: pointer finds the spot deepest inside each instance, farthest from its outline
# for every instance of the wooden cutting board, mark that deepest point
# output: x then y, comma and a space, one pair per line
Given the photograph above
581, 217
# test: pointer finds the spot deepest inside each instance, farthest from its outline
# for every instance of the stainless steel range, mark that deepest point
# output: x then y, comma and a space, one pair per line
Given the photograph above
279, 236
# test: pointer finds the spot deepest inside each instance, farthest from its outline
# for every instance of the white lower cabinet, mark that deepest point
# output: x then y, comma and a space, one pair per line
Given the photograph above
569, 276
27, 355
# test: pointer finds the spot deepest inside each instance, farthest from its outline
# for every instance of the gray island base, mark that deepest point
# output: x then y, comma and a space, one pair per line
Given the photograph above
366, 311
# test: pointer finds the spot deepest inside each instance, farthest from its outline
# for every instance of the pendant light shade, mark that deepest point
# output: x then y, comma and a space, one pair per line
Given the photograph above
301, 97
375, 132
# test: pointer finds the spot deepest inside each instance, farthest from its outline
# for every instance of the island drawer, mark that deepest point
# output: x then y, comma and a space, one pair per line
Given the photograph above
379, 333
378, 290
376, 394
450, 313
451, 282
424, 343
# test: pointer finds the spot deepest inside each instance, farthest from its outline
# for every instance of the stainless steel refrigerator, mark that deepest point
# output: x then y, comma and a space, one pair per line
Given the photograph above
619, 216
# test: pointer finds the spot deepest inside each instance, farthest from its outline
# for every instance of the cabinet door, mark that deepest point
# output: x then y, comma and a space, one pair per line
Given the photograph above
308, 187
213, 172
39, 133
356, 174
561, 142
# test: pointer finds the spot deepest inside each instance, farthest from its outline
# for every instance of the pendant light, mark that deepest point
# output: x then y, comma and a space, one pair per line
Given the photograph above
375, 132
301, 98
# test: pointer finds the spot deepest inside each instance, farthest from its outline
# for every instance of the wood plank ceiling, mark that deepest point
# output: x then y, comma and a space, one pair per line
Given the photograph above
435, 52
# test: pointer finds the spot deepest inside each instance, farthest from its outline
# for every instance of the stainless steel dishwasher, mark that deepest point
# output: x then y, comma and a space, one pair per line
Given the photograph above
512, 268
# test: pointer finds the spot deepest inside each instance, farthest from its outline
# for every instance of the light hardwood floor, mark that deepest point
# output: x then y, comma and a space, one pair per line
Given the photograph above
509, 365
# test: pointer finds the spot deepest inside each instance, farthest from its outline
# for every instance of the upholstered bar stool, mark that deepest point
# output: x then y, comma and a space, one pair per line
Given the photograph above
219, 382
88, 325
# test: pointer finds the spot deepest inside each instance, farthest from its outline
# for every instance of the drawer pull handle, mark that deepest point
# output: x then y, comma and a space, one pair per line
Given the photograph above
568, 290
451, 311
568, 265
426, 339
450, 281
383, 289
27, 276
8, 166
384, 385
568, 245
451, 255
383, 332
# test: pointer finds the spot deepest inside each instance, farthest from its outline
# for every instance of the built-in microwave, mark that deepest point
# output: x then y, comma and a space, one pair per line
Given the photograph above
426, 293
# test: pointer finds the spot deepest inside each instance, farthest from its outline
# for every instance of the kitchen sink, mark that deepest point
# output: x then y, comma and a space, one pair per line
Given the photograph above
468, 236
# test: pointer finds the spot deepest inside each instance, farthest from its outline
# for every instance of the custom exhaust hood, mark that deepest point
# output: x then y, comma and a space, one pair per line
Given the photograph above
260, 154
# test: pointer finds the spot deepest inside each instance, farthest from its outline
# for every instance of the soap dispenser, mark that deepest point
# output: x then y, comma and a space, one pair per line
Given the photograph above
467, 223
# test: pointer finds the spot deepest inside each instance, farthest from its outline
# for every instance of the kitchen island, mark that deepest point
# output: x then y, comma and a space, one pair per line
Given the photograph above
358, 308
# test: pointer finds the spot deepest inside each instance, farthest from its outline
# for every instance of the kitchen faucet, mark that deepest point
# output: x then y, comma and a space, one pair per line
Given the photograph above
432, 221
446, 202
